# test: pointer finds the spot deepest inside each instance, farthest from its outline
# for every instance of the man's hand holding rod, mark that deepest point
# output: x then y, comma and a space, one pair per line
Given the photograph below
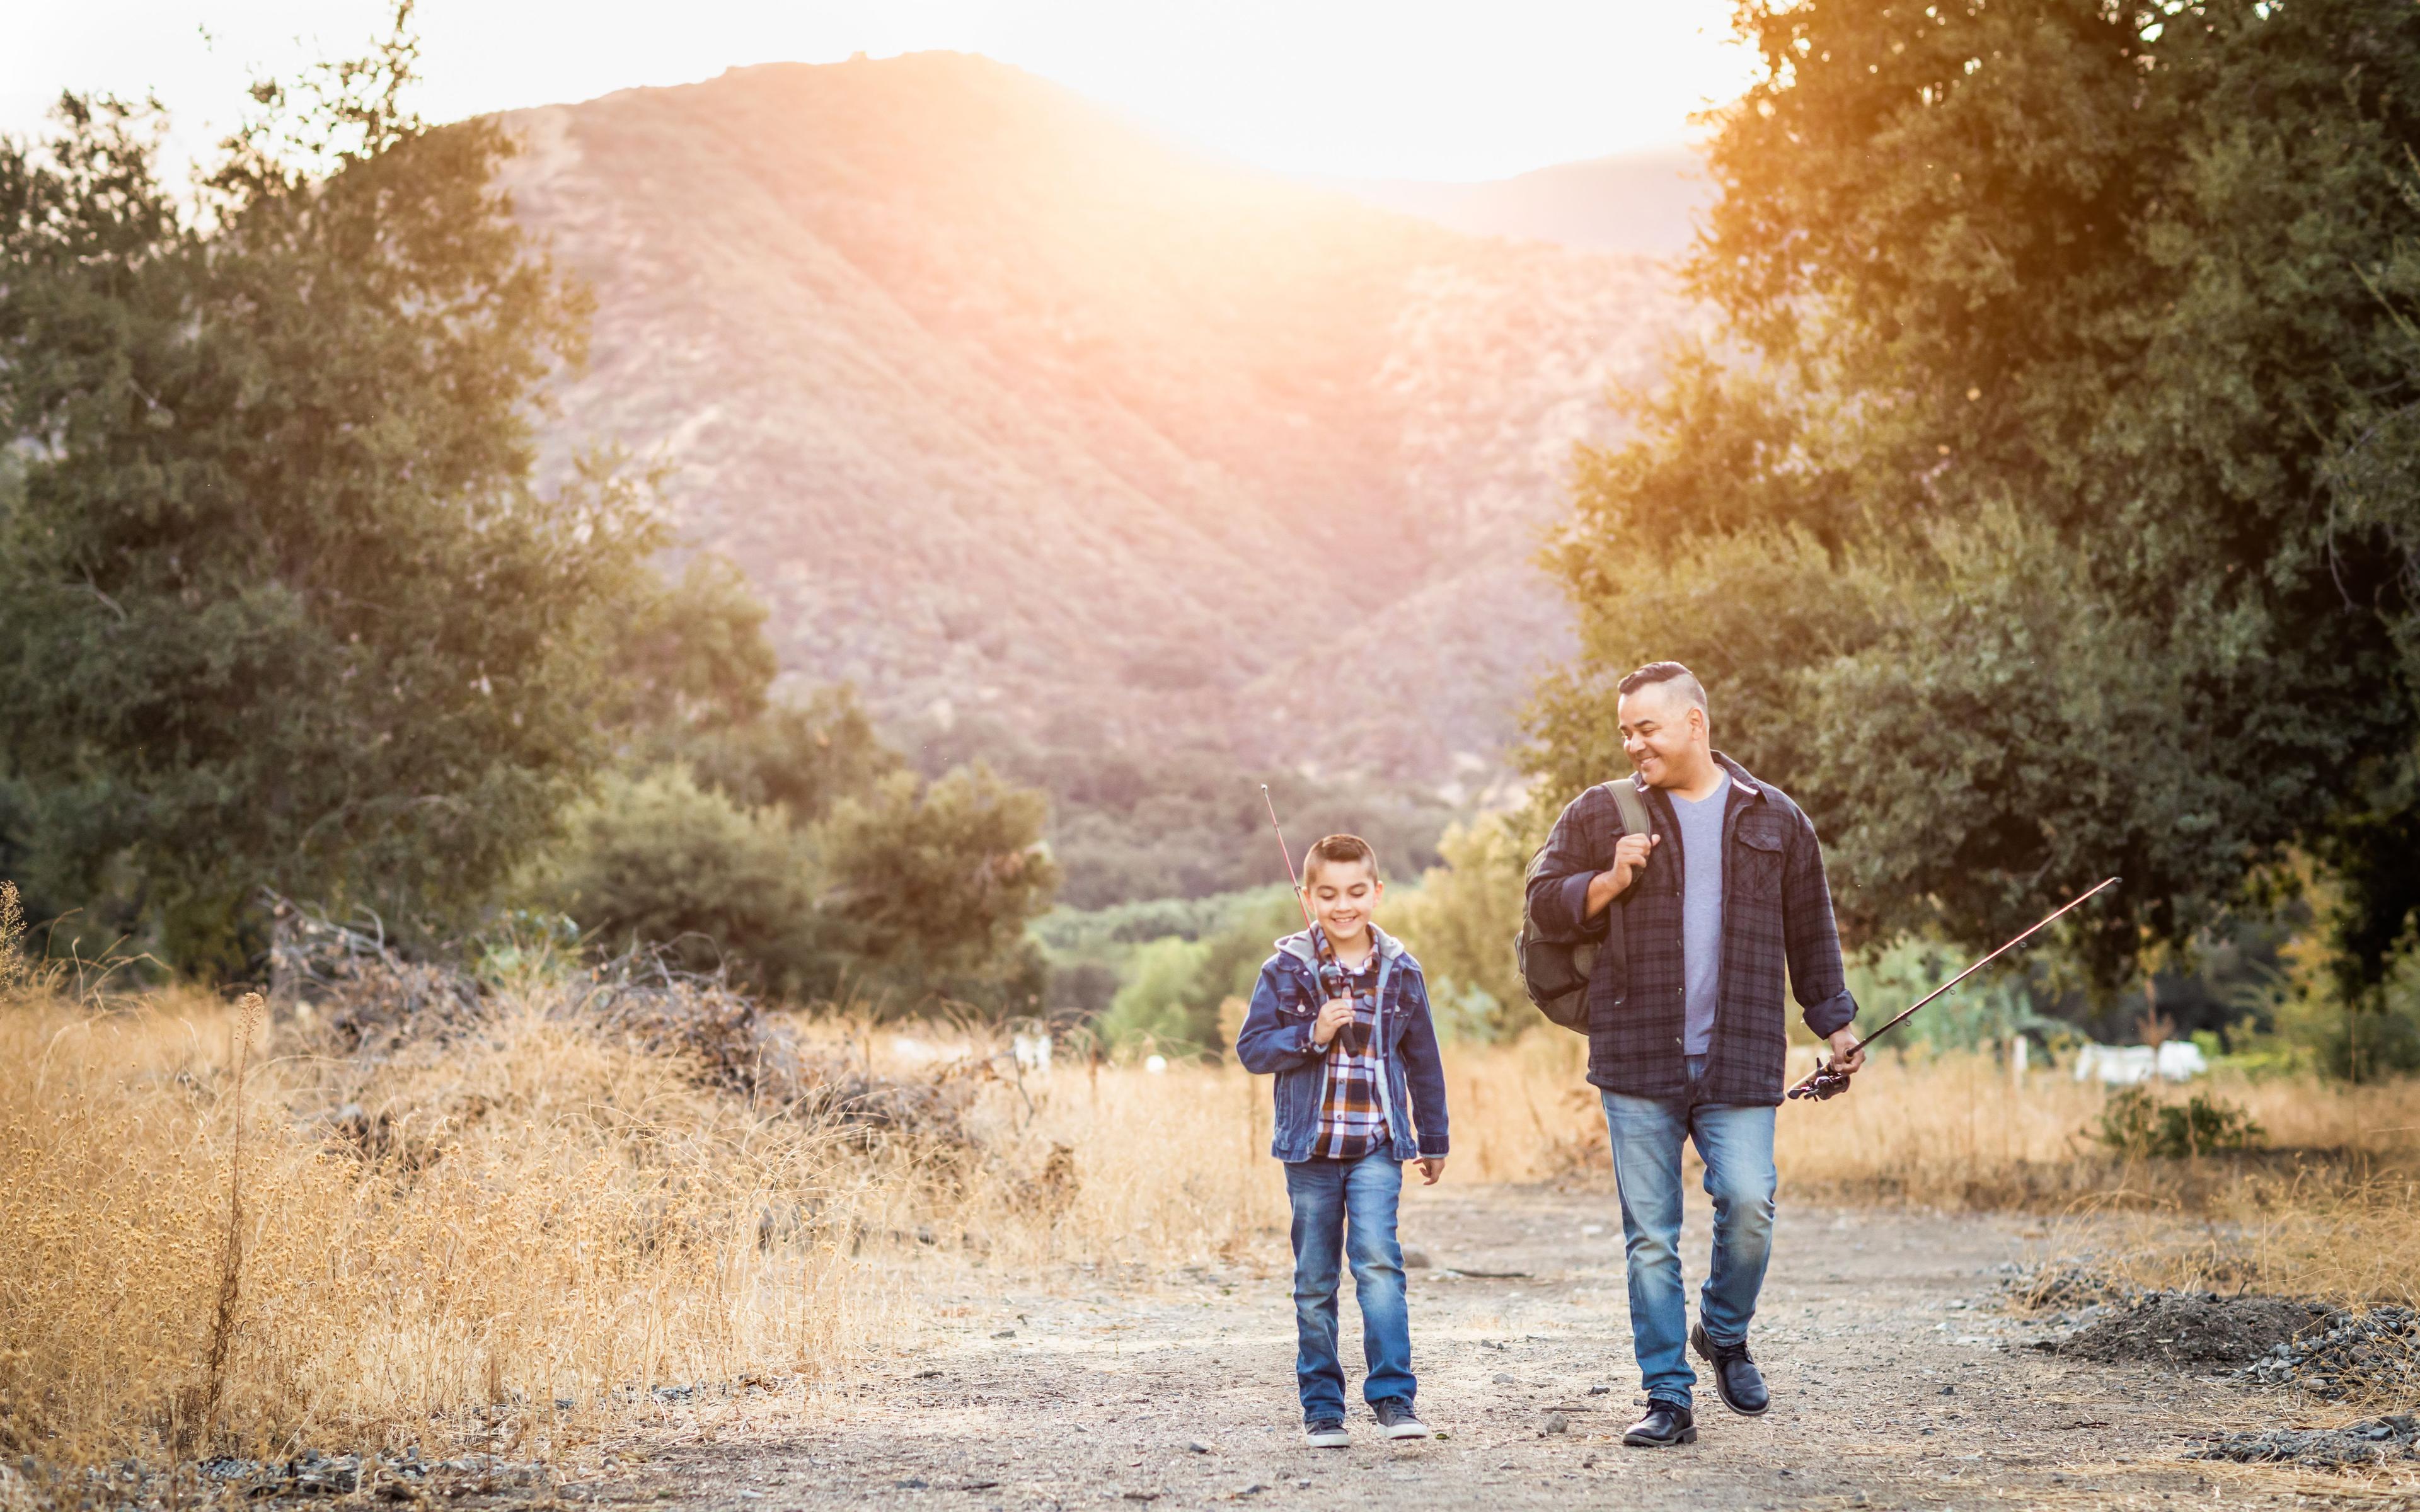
1848, 1052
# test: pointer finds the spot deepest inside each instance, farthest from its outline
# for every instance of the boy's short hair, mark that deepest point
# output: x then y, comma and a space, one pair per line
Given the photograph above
1340, 849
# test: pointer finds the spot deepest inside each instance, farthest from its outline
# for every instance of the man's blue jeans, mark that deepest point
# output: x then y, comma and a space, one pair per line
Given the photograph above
1736, 1144
1345, 1210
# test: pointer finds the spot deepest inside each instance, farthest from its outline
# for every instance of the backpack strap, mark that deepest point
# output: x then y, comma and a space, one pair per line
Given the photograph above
1633, 807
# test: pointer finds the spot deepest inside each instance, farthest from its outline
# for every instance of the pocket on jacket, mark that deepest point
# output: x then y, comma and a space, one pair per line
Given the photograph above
1294, 1004
1758, 858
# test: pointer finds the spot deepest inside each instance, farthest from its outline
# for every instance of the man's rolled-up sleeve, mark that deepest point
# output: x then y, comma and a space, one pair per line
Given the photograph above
1811, 938
1559, 877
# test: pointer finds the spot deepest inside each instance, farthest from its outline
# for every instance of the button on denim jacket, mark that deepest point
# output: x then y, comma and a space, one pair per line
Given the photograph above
1275, 1040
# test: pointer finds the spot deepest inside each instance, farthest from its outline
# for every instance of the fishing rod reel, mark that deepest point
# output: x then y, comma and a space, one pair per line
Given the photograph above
1828, 1082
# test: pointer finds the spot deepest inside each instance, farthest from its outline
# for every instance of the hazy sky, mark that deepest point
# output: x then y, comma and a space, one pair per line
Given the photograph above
1377, 88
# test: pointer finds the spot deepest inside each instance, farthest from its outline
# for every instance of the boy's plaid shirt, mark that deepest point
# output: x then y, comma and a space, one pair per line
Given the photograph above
1352, 1107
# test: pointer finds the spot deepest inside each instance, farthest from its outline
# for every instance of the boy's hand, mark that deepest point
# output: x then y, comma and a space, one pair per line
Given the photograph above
1332, 1019
1432, 1167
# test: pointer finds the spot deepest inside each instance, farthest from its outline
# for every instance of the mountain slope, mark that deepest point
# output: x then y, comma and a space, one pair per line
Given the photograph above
1007, 403
1632, 202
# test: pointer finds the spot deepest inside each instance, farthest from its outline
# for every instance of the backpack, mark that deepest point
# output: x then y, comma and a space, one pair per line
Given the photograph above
1554, 973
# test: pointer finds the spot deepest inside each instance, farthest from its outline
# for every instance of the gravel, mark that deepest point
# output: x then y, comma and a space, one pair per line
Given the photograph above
2200, 1328
312, 1475
2375, 1353
2375, 1441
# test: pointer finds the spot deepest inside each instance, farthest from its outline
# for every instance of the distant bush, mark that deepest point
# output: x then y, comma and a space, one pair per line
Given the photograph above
2136, 1122
928, 887
2306, 1014
1460, 923
1167, 1003
1172, 989
1093, 932
804, 757
655, 858
906, 894
1988, 1011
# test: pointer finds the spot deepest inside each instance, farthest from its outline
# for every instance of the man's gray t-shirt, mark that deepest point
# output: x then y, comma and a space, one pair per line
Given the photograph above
1701, 910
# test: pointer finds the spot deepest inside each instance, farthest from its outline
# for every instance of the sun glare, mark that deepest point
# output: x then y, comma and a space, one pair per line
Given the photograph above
1436, 89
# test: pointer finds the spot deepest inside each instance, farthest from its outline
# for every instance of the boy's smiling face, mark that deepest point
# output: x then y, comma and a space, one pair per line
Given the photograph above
1343, 896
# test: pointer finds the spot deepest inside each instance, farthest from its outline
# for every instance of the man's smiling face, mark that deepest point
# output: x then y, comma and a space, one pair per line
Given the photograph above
1664, 734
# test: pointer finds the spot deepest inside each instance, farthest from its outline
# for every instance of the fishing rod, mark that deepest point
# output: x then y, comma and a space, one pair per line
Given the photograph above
1826, 1082
1331, 968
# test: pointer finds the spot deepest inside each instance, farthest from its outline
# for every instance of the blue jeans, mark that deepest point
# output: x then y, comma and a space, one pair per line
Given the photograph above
1345, 1210
1736, 1144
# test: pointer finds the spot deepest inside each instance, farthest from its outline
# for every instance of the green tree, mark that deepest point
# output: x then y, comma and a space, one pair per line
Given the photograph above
786, 842
928, 888
651, 857
694, 655
279, 602
803, 757
1460, 923
2029, 523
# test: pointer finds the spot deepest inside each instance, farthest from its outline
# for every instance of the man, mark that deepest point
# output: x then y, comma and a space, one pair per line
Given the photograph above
1685, 1028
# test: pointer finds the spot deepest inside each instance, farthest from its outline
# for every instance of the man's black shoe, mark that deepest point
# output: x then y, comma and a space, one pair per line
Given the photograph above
1664, 1425
1736, 1377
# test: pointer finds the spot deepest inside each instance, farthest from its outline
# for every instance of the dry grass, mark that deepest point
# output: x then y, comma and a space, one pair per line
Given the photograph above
527, 1215
2330, 1208
446, 1235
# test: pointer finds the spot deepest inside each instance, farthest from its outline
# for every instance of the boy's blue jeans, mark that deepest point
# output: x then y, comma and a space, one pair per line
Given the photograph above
1736, 1144
1345, 1210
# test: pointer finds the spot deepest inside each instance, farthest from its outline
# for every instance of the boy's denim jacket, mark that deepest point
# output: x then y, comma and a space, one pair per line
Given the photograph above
1275, 1038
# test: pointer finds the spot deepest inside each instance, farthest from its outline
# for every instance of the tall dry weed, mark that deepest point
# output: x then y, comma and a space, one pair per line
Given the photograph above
250, 1014
470, 1231
13, 969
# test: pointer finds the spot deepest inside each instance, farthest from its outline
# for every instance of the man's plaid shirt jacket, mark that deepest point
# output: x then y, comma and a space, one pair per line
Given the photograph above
1777, 926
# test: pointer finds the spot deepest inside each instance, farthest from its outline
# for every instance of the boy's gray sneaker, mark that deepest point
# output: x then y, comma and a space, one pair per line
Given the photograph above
1326, 1433
1397, 1420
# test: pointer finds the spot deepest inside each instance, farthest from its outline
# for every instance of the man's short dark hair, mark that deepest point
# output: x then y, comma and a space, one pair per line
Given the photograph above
1686, 682
1339, 849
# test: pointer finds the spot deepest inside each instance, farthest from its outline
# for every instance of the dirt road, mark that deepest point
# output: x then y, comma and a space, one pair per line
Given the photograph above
1897, 1384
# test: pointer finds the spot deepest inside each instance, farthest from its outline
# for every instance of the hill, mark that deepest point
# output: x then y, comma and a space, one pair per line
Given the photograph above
1633, 202
1021, 413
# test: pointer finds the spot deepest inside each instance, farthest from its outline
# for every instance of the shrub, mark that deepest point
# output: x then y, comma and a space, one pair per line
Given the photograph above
1460, 923
1167, 1003
2135, 1122
654, 859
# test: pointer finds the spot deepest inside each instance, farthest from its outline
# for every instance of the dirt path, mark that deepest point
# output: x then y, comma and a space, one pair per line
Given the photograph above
1897, 1384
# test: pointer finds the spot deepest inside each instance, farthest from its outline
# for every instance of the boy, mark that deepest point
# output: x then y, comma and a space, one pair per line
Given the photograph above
1359, 1091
